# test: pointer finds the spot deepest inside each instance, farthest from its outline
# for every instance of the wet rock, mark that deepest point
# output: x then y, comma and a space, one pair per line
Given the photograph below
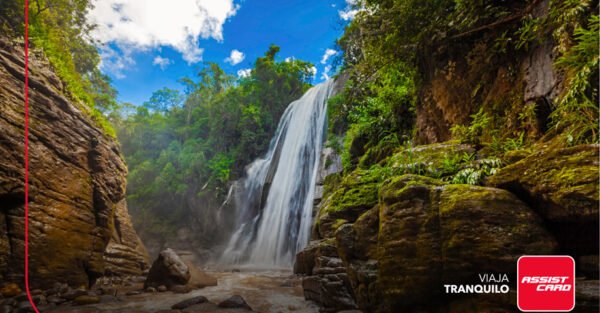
56, 300
133, 293
108, 298
24, 307
74, 293
162, 288
168, 311
287, 284
180, 289
151, 289
169, 270
10, 290
189, 302
83, 300
235, 302
326, 282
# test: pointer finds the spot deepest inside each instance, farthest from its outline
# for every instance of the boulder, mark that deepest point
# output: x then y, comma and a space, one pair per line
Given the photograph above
561, 185
169, 270
421, 233
325, 281
235, 302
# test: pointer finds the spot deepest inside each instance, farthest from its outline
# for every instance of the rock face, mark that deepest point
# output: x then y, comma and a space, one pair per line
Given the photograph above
561, 184
77, 184
326, 281
463, 77
399, 239
168, 270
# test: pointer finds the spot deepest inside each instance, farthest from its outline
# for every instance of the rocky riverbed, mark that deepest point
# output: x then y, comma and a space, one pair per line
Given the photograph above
271, 291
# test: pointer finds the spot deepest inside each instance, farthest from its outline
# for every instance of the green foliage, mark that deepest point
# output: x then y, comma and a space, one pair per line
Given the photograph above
183, 149
476, 172
577, 109
59, 28
377, 115
476, 132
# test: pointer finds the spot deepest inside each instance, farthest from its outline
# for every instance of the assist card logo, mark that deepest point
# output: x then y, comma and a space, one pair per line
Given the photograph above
546, 283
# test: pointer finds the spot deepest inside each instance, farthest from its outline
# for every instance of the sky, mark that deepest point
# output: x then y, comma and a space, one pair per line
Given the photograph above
151, 44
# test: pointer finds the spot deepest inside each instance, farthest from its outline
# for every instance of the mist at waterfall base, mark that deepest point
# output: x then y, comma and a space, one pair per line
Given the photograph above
272, 205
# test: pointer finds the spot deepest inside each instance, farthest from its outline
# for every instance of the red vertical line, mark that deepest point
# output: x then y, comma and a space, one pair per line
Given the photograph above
27, 157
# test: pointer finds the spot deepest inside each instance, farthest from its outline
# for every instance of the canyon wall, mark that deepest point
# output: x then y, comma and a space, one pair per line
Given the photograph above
79, 225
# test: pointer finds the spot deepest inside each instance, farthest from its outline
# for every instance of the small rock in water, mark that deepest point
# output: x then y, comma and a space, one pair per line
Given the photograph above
162, 288
180, 289
189, 302
288, 283
151, 289
83, 300
24, 307
235, 302
56, 299
235, 270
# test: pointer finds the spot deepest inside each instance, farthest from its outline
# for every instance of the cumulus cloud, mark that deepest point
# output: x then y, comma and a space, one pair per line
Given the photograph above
328, 53
235, 57
244, 72
133, 25
350, 11
162, 62
313, 70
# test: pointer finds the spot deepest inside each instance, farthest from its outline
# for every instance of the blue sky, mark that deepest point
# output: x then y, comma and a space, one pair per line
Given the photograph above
136, 41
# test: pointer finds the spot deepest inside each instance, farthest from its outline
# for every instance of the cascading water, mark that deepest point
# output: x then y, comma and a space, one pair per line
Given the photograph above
273, 203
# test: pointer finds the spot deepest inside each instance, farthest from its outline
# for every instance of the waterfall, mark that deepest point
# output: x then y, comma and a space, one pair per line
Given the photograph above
273, 203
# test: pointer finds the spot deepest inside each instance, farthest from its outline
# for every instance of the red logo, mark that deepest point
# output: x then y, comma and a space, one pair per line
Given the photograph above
546, 283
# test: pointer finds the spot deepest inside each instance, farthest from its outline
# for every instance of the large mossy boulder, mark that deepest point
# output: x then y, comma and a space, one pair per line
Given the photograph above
355, 194
561, 185
423, 234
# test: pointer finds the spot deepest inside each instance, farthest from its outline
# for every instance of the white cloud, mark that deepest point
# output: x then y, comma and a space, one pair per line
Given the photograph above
350, 11
133, 25
326, 70
328, 53
289, 59
162, 62
314, 71
244, 72
235, 57
112, 61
